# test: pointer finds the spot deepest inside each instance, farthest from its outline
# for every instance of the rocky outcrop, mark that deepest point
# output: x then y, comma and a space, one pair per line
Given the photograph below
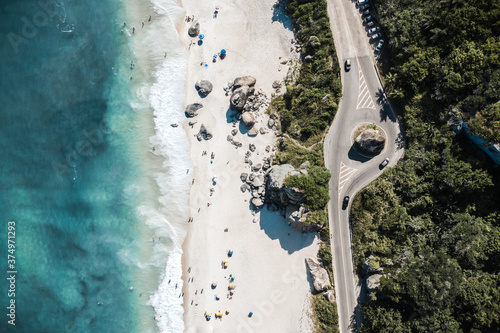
244, 81
373, 282
277, 175
370, 142
248, 119
244, 177
194, 29
294, 195
372, 265
330, 296
191, 109
204, 87
319, 275
203, 134
296, 216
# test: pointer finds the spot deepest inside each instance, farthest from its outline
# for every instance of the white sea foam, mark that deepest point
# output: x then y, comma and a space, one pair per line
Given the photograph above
166, 97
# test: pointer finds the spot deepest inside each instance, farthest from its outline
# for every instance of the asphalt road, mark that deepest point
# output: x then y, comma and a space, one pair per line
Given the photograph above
364, 102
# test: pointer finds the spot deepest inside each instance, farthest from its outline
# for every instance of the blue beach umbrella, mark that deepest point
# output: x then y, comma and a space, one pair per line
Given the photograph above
222, 51
201, 36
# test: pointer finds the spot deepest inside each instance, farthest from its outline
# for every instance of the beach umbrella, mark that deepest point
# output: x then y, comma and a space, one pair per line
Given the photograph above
207, 314
230, 253
250, 314
222, 51
215, 55
230, 286
227, 311
201, 36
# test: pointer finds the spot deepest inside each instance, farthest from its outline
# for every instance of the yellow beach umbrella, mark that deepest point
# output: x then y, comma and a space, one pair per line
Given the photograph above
227, 311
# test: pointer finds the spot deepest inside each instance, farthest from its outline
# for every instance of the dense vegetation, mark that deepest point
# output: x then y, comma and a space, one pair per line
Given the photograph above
306, 109
432, 222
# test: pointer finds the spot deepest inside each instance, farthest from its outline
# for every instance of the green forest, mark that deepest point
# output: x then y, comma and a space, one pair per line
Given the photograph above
432, 222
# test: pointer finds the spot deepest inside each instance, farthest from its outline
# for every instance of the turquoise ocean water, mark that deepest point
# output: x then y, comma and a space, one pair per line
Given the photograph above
96, 210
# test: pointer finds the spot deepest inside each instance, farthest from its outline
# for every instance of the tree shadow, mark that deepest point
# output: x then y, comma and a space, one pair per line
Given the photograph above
354, 155
400, 141
276, 227
385, 111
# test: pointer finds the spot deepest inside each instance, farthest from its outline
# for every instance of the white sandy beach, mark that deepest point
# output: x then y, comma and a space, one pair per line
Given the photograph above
268, 263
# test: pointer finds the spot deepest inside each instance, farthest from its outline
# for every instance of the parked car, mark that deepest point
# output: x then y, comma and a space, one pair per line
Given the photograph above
345, 202
368, 19
379, 46
366, 13
376, 36
347, 65
361, 2
364, 7
370, 24
384, 163
373, 30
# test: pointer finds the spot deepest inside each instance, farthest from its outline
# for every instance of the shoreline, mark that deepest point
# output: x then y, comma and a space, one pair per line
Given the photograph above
269, 255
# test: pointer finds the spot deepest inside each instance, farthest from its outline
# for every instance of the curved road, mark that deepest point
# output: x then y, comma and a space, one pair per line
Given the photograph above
364, 101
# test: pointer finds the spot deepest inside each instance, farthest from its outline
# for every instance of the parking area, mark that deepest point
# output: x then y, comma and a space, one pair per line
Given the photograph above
372, 27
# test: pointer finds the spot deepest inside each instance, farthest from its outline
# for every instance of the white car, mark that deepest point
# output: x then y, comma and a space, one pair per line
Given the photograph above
373, 30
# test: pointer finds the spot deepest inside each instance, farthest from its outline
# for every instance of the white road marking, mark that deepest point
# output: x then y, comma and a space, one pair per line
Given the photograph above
345, 174
365, 100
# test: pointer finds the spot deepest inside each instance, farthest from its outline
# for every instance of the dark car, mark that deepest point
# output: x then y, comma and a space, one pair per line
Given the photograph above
368, 19
384, 163
379, 46
345, 202
347, 65
365, 6
366, 13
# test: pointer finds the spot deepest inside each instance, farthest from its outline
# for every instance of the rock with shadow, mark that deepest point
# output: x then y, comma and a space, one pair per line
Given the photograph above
203, 134
319, 275
204, 87
370, 142
194, 29
191, 109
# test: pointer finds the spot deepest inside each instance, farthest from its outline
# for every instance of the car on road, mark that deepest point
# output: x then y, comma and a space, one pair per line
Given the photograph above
373, 30
361, 2
345, 202
364, 7
366, 13
379, 46
384, 163
347, 65
368, 19
376, 36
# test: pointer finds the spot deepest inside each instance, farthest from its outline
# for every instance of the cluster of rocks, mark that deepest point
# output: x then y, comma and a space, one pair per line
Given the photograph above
319, 275
374, 272
370, 142
273, 121
237, 144
247, 102
255, 181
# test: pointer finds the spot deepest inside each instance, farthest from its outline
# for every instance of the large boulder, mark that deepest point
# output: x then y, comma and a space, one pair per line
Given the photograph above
203, 134
258, 181
373, 282
277, 175
192, 108
330, 296
194, 29
297, 216
370, 142
244, 81
239, 98
319, 275
257, 203
248, 119
253, 131
204, 87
